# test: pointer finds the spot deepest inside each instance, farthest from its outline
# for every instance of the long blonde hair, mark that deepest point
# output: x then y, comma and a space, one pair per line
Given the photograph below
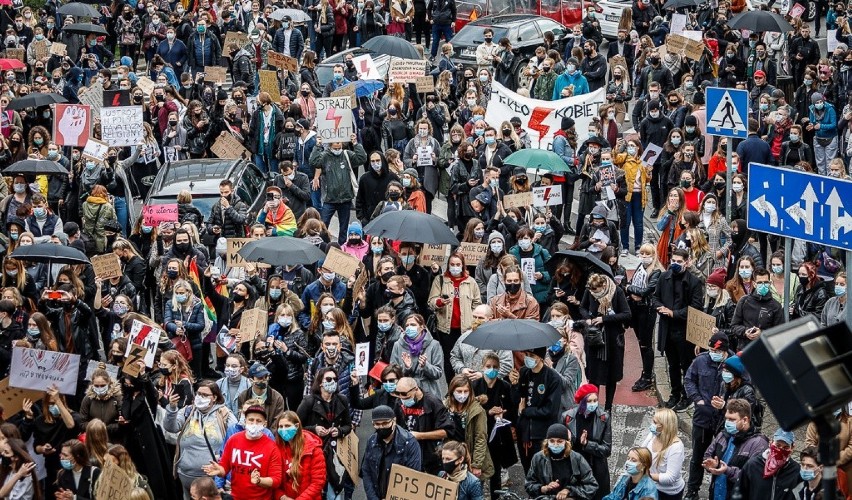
667, 419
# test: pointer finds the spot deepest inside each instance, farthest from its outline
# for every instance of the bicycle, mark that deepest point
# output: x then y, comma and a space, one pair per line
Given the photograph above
511, 495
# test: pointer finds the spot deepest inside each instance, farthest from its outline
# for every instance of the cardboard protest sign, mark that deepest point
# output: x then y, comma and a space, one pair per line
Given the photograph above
334, 119
409, 484
72, 124
40, 370
252, 324
366, 67
347, 453
106, 266
18, 53
473, 253
58, 49
406, 70
284, 62
684, 46
361, 279
146, 85
40, 49
234, 37
114, 483
95, 149
699, 327
131, 366
228, 147
12, 398
433, 254
93, 97
153, 215
340, 262
215, 74
269, 83
519, 200
234, 259
547, 196
146, 336
122, 126
347, 90
425, 84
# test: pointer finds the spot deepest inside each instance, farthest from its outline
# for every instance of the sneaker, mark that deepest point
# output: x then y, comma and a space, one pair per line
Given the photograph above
682, 405
624, 253
672, 402
504, 478
643, 384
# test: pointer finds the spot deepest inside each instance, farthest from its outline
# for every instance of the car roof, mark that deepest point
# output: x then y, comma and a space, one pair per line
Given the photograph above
505, 20
199, 177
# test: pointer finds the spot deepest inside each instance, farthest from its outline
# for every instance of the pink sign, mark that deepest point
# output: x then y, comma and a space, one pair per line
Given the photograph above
72, 124
153, 215
797, 10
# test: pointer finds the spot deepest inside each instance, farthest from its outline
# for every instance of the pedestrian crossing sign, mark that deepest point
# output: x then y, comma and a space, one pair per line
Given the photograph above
727, 112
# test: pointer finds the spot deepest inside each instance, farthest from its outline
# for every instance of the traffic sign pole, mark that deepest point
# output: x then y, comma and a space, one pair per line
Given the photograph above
788, 254
728, 180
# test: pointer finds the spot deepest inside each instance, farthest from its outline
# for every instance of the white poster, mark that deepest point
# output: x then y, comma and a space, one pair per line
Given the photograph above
362, 359
39, 370
678, 24
528, 268
650, 155
146, 336
366, 67
334, 119
542, 119
831, 40
122, 126
96, 150
693, 35
547, 196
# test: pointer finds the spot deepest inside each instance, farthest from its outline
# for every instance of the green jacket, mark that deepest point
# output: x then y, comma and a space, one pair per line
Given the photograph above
337, 172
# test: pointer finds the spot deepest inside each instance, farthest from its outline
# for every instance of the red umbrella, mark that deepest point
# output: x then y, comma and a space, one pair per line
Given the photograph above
7, 64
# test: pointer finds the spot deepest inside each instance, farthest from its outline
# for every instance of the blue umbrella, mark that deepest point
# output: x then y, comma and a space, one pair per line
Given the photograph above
364, 88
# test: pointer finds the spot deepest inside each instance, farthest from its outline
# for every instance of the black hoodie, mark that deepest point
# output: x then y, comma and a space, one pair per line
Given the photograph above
372, 186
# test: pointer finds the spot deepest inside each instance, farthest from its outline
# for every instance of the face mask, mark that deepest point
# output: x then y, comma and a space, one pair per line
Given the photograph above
686, 184
631, 150
412, 332
591, 407
328, 276
807, 475
328, 325
40, 212
676, 141
654, 60
737, 188
377, 250
330, 386
66, 464
839, 291
338, 77
731, 427
571, 68
745, 273
460, 397
408, 260
556, 449
170, 36
54, 410
713, 293
530, 362
716, 356
287, 434
119, 309
455, 270
525, 244
727, 377
808, 82
819, 105
777, 269
232, 373
254, 431
676, 267
690, 130
172, 274
408, 403
202, 403
763, 289
709, 208
201, 29
260, 385
631, 468
19, 188
654, 114
376, 165
100, 391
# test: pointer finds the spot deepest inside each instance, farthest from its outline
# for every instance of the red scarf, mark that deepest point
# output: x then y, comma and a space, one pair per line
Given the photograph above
776, 459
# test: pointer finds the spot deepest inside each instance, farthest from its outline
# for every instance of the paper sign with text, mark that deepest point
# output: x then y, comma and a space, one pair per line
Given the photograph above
362, 359
433, 254
19, 53
547, 196
699, 327
519, 200
347, 91
40, 370
341, 263
58, 49
93, 97
425, 84
72, 124
146, 85
114, 483
40, 49
269, 83
252, 324
234, 259
334, 119
106, 266
122, 126
347, 453
409, 484
234, 37
366, 68
148, 337
406, 70
228, 147
153, 215
215, 74
473, 253
96, 150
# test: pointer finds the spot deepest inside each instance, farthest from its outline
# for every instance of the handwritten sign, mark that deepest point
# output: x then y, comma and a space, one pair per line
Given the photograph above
425, 84
234, 37
252, 324
95, 150
699, 327
39, 370
146, 85
347, 90
281, 61
409, 484
40, 49
234, 259
131, 360
366, 67
72, 124
684, 46
430, 254
18, 53
473, 253
341, 262
228, 147
153, 215
58, 49
12, 398
215, 74
406, 71
361, 280
269, 83
106, 266
94, 97
334, 119
148, 337
122, 126
347, 453
547, 196
114, 483
519, 200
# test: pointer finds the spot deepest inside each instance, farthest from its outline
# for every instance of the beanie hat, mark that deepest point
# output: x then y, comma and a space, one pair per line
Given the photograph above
221, 245
735, 365
698, 98
653, 105
690, 121
717, 278
383, 412
719, 341
555, 431
355, 227
304, 123
816, 97
496, 235
221, 95
410, 171
567, 123
584, 391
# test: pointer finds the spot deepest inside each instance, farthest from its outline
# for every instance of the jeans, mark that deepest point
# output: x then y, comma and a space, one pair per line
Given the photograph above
635, 215
266, 164
120, 205
823, 155
437, 30
343, 210
701, 439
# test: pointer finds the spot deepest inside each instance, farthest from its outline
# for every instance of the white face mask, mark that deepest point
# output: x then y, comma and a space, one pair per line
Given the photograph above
254, 431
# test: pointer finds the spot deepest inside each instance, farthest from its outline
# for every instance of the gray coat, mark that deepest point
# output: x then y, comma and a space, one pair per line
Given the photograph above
582, 487
430, 374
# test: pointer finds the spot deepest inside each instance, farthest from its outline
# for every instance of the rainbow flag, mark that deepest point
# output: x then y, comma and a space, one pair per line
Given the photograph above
208, 304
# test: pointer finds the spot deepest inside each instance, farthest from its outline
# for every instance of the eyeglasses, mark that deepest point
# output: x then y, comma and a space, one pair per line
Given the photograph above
330, 379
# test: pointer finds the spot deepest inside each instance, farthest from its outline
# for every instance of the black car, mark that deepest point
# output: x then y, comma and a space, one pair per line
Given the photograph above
525, 33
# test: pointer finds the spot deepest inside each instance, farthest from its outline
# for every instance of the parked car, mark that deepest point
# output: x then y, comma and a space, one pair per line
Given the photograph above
609, 13
202, 178
565, 12
525, 32
325, 69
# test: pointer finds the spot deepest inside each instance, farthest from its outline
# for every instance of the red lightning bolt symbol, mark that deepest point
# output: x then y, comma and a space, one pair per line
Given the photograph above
537, 121
331, 116
546, 194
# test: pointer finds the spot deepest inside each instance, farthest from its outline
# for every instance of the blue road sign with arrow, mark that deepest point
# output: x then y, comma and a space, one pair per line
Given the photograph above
800, 205
727, 112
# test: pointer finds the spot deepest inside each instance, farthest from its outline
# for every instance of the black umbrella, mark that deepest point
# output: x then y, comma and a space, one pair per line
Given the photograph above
78, 9
85, 29
585, 260
513, 335
35, 100
50, 253
678, 4
281, 251
35, 167
760, 21
392, 46
413, 226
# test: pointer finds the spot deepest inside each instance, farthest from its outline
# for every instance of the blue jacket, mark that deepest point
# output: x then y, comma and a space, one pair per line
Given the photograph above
312, 294
193, 323
206, 53
303, 154
827, 123
702, 381
581, 85
646, 488
753, 150
469, 489
404, 450
176, 55
562, 147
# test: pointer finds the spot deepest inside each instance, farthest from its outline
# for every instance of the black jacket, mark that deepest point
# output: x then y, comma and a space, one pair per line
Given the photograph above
314, 411
594, 69
779, 487
428, 414
755, 310
543, 394
231, 220
442, 12
371, 191
692, 294
298, 195
810, 301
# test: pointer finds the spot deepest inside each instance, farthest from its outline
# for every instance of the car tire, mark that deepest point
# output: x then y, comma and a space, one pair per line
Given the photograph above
521, 81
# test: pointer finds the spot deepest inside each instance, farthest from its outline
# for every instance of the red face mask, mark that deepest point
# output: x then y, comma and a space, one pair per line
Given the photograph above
776, 460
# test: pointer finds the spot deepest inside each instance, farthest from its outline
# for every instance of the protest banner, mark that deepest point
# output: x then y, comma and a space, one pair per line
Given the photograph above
269, 84
699, 327
519, 200
153, 215
58, 49
215, 74
334, 119
252, 324
95, 150
473, 253
341, 263
122, 126
547, 196
698, 36
347, 453
12, 398
131, 360
98, 365
93, 97
425, 84
234, 259
40, 49
366, 67
146, 85
228, 147
18, 53
436, 254
118, 97
146, 336
409, 484
72, 124
106, 266
796, 10
678, 23
40, 370
361, 279
650, 155
347, 90
685, 47
362, 353
236, 38
406, 70
114, 483
284, 62
542, 119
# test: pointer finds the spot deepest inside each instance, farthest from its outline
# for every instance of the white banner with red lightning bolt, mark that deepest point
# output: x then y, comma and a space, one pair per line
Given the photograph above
334, 119
542, 119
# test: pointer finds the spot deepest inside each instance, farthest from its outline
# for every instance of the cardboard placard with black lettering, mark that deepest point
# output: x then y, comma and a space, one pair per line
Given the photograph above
283, 62
12, 398
699, 327
106, 266
252, 324
341, 263
409, 484
58, 49
234, 37
269, 84
519, 200
114, 483
18, 53
347, 453
40, 49
473, 253
228, 147
433, 254
425, 84
131, 360
215, 74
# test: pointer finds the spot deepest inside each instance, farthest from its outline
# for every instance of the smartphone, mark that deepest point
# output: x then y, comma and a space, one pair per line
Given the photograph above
54, 295
215, 271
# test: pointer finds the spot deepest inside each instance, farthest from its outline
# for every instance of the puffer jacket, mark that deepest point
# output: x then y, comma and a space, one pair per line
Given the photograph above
105, 408
582, 485
232, 220
646, 488
470, 488
701, 383
311, 469
746, 445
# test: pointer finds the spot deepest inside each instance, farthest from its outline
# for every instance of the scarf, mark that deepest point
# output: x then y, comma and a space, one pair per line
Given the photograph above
640, 276
278, 215
415, 346
96, 200
458, 476
775, 460
605, 300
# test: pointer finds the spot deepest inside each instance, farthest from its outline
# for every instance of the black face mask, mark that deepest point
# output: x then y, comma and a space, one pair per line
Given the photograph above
172, 123
719, 185
384, 432
182, 247
137, 98
305, 93
391, 295
387, 276
449, 467
513, 288
354, 241
118, 360
238, 299
393, 196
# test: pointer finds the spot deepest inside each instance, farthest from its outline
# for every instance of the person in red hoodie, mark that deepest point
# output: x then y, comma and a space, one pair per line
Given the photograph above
304, 463
252, 459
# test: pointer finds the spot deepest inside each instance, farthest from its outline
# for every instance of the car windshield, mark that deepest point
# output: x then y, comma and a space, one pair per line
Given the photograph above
473, 34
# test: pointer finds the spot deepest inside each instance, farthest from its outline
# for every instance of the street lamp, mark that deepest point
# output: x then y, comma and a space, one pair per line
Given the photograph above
804, 372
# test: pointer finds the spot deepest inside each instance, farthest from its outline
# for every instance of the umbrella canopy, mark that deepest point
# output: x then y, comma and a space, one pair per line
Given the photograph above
413, 226
85, 29
364, 88
281, 251
78, 9
585, 260
513, 335
392, 46
760, 21
537, 158
50, 253
11, 64
298, 16
678, 4
35, 100
35, 167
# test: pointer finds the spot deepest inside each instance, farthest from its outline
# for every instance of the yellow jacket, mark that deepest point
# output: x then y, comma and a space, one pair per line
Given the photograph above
630, 165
